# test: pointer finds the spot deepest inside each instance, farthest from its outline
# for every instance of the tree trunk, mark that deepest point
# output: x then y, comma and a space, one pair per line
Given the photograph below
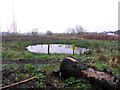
104, 79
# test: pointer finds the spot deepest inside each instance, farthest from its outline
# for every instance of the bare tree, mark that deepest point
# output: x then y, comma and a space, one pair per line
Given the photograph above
35, 32
71, 31
48, 32
79, 29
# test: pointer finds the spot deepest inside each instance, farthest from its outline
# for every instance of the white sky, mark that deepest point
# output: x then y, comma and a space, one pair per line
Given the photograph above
58, 15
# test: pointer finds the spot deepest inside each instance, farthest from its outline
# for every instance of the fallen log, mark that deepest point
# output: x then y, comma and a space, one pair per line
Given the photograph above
104, 79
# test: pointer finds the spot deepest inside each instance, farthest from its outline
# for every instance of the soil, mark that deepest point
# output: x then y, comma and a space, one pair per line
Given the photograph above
10, 79
29, 61
12, 76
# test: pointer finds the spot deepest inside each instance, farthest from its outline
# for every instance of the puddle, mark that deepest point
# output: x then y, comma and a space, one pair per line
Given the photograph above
55, 48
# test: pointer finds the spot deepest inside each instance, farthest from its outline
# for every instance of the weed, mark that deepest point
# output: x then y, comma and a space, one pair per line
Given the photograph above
29, 67
40, 79
71, 81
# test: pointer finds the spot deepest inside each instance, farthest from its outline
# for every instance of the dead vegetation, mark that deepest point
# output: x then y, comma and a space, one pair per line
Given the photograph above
114, 61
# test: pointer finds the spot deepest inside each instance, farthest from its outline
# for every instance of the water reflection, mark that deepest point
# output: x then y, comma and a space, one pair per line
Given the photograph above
55, 48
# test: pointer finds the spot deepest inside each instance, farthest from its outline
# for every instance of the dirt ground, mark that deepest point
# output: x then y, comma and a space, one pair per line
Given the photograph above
29, 61
9, 76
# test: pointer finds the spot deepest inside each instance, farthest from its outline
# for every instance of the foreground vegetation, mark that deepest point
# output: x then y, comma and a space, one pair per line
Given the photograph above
16, 51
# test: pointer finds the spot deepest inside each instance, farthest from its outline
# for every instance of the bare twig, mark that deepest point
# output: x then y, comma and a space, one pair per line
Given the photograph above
91, 63
17, 83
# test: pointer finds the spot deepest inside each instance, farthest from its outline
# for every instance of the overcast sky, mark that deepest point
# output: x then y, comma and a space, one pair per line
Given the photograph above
58, 15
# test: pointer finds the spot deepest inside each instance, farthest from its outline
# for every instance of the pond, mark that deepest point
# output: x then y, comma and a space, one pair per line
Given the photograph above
55, 48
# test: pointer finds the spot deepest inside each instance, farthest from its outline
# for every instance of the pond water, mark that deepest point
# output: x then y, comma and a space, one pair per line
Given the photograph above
55, 48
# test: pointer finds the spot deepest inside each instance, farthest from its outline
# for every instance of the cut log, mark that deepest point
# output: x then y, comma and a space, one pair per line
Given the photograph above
72, 67
104, 79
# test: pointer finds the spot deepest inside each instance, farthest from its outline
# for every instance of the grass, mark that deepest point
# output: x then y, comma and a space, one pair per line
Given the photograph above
73, 82
50, 67
17, 51
11, 50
